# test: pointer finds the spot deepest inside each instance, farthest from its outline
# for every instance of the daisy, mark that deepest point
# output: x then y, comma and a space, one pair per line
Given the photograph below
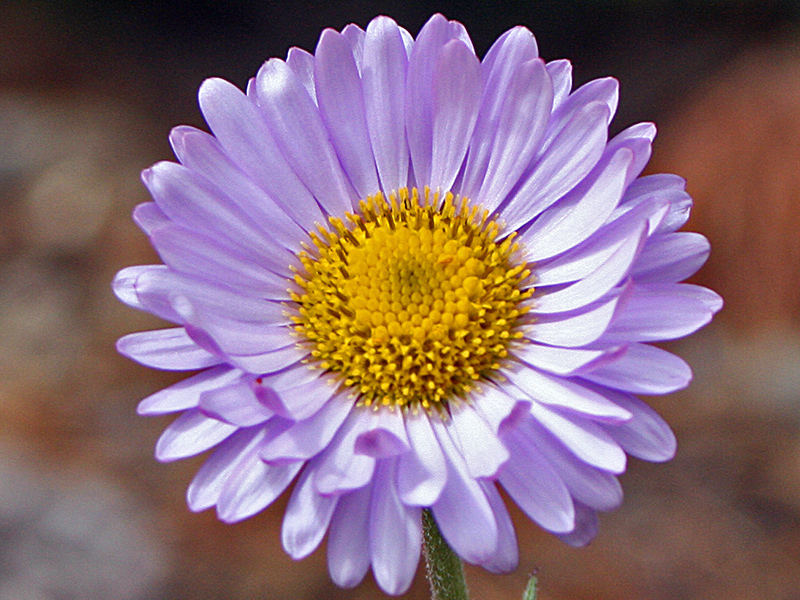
408, 278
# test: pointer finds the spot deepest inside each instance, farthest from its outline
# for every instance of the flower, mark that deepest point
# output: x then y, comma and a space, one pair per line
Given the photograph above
408, 276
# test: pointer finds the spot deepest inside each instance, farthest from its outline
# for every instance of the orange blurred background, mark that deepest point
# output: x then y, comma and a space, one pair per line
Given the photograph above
88, 92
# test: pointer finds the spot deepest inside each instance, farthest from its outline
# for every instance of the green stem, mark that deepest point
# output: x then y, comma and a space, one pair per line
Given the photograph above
445, 569
532, 588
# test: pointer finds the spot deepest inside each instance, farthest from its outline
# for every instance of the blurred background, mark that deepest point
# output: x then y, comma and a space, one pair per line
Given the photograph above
88, 92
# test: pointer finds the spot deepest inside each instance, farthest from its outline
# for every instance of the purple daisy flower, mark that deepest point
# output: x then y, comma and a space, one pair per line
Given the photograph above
407, 277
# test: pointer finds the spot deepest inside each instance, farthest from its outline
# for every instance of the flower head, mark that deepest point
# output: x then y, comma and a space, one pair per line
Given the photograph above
408, 277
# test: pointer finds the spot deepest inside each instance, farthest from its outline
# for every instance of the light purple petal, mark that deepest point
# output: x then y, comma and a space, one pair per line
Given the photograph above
419, 105
190, 434
586, 527
236, 337
197, 205
589, 485
660, 312
644, 369
582, 212
408, 40
459, 32
421, 472
457, 89
185, 294
149, 217
294, 121
564, 393
186, 393
235, 404
671, 188
639, 139
238, 125
385, 435
494, 404
348, 540
168, 349
355, 36
302, 63
307, 438
671, 257
395, 533
292, 377
595, 285
564, 163
604, 90
462, 512
513, 48
253, 486
559, 361
584, 438
383, 76
584, 258
655, 209
560, 72
646, 435
506, 557
300, 402
202, 257
208, 482
340, 468
574, 329
519, 130
341, 104
710, 298
269, 362
534, 485
307, 517
482, 450
250, 89
131, 286
203, 154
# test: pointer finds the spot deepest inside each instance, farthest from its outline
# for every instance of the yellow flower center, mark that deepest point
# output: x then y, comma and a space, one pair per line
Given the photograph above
411, 303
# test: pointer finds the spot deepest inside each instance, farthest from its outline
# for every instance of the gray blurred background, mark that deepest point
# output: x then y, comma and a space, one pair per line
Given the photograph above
88, 92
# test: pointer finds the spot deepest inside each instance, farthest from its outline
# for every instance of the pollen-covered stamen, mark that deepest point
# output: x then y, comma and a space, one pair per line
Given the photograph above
411, 302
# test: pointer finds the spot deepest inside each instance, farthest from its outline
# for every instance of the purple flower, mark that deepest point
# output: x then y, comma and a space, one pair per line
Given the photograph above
408, 277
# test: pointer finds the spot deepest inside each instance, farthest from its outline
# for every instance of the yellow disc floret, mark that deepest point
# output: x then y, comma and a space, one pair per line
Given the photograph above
411, 303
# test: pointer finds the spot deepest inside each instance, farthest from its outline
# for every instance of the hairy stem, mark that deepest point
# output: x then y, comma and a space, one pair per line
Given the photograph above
445, 569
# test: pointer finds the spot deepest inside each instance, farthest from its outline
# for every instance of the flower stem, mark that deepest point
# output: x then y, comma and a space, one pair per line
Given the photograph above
532, 588
445, 569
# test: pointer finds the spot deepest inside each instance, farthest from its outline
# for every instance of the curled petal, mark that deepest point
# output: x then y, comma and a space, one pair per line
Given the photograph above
421, 472
482, 450
340, 468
